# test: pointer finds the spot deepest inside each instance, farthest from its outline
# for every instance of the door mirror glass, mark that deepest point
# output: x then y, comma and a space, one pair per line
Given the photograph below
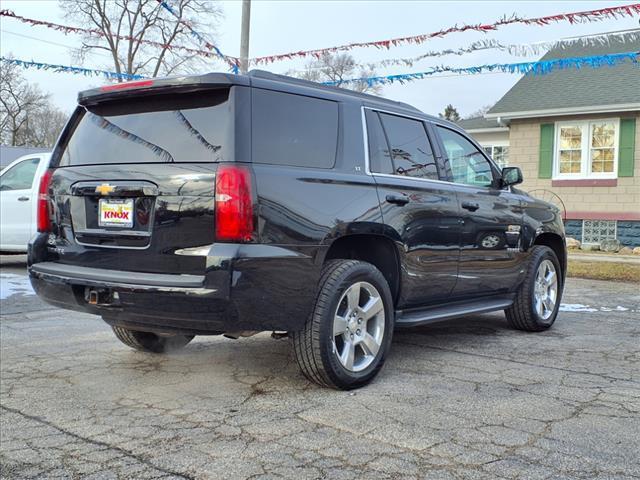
511, 176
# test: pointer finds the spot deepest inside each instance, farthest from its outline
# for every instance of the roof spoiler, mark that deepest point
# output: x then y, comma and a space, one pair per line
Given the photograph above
160, 85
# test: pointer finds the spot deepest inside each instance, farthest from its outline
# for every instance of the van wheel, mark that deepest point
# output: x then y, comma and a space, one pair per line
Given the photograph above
348, 334
538, 300
151, 342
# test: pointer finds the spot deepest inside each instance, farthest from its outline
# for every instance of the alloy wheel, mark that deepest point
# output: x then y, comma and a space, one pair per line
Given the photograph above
545, 291
358, 326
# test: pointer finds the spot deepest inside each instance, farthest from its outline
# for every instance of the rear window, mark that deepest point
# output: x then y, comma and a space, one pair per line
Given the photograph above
293, 129
183, 127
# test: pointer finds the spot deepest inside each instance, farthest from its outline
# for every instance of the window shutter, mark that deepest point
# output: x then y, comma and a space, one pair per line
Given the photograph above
545, 166
627, 147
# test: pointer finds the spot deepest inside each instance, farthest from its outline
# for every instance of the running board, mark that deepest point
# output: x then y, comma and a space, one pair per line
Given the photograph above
438, 313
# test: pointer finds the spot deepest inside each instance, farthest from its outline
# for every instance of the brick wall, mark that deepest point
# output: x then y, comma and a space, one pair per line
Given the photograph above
524, 139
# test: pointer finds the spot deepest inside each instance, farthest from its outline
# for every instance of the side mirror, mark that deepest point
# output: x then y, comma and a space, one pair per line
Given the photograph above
511, 176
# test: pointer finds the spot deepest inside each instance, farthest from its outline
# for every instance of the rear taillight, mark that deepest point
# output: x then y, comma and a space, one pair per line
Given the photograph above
234, 204
43, 213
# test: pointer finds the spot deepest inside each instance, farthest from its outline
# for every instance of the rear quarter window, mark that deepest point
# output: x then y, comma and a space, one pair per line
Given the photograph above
293, 130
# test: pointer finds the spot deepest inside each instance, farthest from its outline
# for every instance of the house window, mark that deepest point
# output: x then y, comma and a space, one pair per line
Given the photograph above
499, 153
595, 231
586, 149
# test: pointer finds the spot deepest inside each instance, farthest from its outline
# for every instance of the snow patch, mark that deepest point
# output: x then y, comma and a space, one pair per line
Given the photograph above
576, 307
12, 284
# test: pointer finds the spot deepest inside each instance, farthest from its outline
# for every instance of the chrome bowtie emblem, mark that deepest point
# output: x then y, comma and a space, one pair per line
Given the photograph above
105, 189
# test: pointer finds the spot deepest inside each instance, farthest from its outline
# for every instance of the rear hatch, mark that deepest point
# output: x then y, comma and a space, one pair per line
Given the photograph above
134, 180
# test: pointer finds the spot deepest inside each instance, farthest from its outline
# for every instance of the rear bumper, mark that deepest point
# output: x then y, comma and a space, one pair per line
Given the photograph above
116, 278
245, 287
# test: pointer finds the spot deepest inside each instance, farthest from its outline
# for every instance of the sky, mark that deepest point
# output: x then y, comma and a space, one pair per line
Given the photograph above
288, 25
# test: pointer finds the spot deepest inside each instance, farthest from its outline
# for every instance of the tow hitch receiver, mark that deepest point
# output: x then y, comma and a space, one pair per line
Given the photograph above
100, 296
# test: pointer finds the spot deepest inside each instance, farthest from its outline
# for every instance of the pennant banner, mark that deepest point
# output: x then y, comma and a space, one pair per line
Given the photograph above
574, 17
540, 68
213, 51
87, 72
521, 50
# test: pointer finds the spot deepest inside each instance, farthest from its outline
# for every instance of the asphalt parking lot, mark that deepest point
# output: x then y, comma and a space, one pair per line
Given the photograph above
466, 399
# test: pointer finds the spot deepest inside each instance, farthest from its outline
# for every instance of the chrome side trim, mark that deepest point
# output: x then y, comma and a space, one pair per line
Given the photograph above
365, 136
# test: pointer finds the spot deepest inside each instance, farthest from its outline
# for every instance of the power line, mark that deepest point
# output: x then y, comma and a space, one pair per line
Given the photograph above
49, 42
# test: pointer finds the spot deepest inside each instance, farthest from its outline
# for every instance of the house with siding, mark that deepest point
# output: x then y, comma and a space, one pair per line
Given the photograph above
575, 132
492, 136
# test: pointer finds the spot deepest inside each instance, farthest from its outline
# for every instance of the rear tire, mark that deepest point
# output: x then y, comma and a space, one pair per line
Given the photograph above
151, 342
345, 341
537, 301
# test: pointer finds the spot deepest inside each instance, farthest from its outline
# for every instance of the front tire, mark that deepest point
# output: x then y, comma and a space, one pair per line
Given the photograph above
345, 341
537, 301
151, 342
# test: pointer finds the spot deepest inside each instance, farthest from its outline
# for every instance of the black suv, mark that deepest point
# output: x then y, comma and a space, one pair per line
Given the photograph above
227, 204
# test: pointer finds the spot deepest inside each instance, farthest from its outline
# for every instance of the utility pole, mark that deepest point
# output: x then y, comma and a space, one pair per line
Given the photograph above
244, 36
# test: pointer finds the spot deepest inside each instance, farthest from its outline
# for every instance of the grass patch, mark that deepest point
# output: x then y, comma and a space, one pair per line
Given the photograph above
623, 272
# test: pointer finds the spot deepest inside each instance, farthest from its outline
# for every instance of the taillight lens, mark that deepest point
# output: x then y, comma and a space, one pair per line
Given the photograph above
126, 85
43, 213
234, 204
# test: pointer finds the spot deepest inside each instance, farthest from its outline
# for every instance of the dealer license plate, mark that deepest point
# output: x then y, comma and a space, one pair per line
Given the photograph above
115, 213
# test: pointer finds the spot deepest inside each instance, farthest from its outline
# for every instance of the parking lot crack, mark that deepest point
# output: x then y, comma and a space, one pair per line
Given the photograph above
97, 443
520, 362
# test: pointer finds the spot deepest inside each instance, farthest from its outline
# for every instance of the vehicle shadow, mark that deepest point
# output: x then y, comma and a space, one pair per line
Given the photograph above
267, 358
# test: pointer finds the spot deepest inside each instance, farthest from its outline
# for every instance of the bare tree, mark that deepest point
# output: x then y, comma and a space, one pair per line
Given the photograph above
480, 112
338, 68
27, 116
45, 127
141, 36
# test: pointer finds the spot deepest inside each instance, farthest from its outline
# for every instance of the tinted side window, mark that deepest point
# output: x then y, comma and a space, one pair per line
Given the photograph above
379, 156
410, 148
20, 176
468, 165
293, 129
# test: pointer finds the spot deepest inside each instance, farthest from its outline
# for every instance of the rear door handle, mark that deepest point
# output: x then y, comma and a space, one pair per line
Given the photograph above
397, 199
472, 207
23, 199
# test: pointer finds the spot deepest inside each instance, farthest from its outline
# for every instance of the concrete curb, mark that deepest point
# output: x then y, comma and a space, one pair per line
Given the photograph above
585, 257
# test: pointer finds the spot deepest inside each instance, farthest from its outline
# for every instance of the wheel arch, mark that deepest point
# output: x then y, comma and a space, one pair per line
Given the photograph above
378, 250
556, 243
